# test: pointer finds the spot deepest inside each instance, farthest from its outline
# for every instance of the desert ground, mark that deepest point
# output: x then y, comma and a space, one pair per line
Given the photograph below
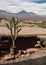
33, 56
25, 31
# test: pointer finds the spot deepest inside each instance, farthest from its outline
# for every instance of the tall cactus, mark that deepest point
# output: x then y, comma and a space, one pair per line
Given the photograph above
13, 27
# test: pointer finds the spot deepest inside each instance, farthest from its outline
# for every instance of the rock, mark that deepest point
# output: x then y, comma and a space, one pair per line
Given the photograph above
24, 52
37, 46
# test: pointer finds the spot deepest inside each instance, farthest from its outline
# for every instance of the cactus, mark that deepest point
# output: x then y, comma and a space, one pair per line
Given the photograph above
12, 26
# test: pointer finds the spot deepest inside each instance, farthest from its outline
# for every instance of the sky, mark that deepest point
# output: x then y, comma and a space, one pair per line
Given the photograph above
14, 6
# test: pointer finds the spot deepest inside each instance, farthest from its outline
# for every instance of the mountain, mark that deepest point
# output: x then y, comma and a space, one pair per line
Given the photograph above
23, 12
5, 14
1, 11
24, 15
31, 13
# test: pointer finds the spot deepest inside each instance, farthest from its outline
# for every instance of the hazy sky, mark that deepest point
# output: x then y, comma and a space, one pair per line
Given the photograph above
36, 6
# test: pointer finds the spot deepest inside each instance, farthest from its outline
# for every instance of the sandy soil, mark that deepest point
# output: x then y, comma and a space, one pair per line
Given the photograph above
33, 57
25, 31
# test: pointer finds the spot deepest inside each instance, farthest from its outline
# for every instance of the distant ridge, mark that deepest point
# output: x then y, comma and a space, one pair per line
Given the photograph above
24, 15
2, 11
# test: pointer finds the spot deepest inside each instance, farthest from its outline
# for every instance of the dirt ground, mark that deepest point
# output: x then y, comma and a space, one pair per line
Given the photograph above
25, 31
33, 56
